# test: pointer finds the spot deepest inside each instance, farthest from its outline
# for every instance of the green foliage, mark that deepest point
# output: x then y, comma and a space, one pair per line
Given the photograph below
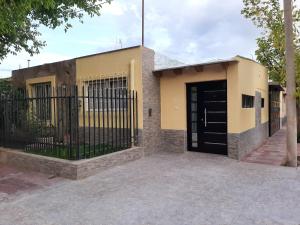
268, 16
20, 20
5, 87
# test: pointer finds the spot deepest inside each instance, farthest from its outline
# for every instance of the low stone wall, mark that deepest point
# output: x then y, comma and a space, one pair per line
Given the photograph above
243, 143
65, 168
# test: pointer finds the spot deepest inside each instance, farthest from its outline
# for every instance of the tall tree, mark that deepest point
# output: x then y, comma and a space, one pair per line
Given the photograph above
290, 86
268, 16
279, 50
20, 20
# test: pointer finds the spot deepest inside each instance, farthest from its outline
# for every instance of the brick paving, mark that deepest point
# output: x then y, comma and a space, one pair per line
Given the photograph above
272, 152
14, 181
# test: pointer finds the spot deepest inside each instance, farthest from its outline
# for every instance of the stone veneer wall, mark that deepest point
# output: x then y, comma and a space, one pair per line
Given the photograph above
241, 144
65, 168
151, 140
174, 140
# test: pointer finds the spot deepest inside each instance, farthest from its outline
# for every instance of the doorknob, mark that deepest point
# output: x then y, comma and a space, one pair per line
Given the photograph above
205, 121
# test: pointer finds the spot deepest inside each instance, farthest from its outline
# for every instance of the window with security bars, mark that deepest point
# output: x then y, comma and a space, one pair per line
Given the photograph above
107, 94
41, 94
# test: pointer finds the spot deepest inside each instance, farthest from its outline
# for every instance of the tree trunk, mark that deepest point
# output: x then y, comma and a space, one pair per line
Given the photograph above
290, 86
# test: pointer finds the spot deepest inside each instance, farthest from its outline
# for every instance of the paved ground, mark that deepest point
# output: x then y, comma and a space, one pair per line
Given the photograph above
191, 188
14, 182
273, 152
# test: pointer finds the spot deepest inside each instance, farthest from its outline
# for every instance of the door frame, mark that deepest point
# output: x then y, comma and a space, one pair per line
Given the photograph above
188, 112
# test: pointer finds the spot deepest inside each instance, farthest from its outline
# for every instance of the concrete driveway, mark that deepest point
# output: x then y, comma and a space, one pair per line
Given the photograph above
191, 188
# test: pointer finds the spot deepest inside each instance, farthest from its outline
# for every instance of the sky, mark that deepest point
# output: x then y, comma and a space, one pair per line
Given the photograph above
191, 31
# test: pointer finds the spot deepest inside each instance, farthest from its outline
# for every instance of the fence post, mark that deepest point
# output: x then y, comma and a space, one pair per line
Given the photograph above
70, 124
76, 102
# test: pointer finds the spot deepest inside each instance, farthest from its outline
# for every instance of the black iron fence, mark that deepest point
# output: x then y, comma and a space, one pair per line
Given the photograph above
70, 123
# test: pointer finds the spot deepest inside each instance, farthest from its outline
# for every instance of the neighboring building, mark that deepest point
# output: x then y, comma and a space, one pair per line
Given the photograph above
277, 112
217, 107
283, 118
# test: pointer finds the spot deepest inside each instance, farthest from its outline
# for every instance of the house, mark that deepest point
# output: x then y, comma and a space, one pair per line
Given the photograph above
277, 112
215, 107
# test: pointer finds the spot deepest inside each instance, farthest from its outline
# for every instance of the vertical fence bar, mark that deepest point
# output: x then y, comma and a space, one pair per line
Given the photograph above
130, 119
40, 123
103, 122
62, 105
137, 119
123, 118
89, 119
17, 119
59, 121
116, 120
133, 116
126, 117
119, 118
4, 120
99, 124
112, 118
94, 119
107, 121
83, 119
78, 155
26, 112
70, 123
40, 120
44, 118
11, 118
53, 97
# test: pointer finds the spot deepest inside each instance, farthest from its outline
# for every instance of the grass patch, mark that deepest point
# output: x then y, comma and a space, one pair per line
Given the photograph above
84, 151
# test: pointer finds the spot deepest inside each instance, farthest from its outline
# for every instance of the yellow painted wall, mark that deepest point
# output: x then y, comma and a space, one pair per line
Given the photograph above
252, 77
123, 63
48, 79
243, 77
173, 94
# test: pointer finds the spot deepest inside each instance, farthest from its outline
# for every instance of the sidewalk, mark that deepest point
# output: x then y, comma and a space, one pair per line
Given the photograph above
14, 181
273, 152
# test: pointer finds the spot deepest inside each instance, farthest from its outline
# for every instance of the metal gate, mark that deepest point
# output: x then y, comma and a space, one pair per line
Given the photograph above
274, 109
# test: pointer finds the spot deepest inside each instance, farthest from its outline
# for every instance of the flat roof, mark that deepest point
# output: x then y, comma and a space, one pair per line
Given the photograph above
195, 65
106, 52
81, 57
276, 86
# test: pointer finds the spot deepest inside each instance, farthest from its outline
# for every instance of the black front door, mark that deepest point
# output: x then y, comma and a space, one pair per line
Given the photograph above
207, 117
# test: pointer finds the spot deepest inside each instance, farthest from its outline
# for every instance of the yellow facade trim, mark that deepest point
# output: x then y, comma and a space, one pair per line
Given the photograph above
38, 80
132, 75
